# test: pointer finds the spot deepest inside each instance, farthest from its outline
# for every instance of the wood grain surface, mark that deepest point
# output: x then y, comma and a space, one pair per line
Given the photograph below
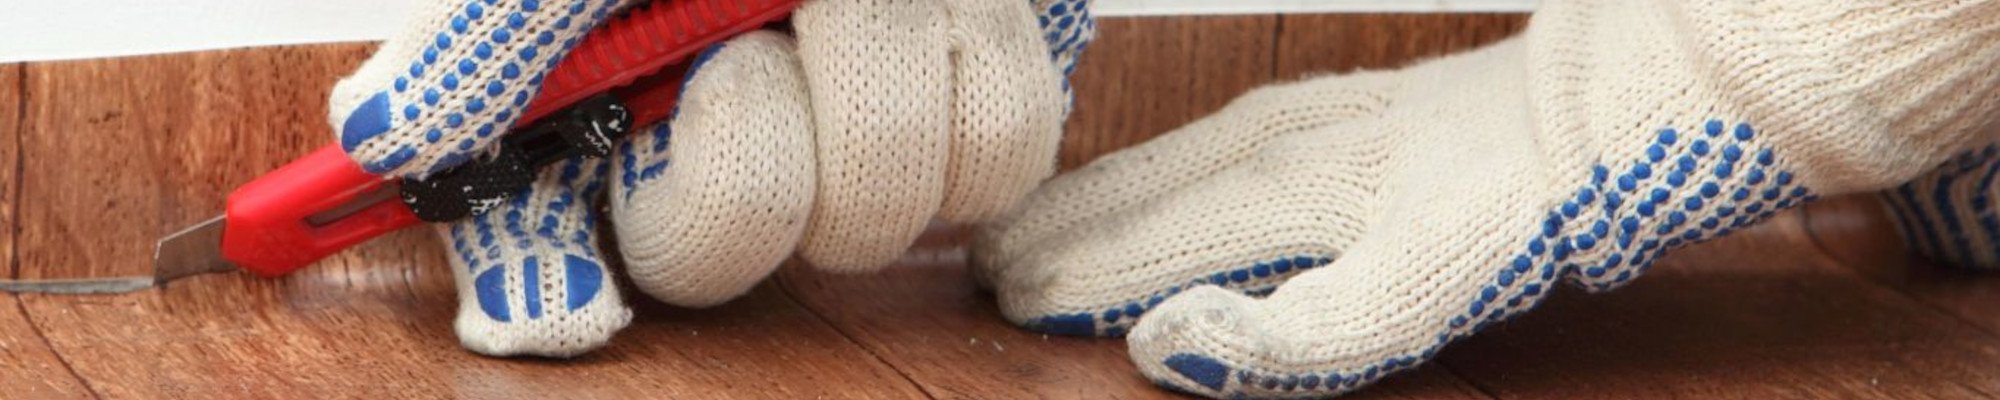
28, 365
1761, 314
13, 100
104, 156
119, 152
1856, 230
1160, 73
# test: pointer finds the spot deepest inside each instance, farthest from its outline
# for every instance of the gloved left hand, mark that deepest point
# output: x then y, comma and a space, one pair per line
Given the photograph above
1315, 237
842, 143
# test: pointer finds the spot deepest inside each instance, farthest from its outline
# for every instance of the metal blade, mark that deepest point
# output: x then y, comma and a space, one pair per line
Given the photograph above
79, 286
192, 251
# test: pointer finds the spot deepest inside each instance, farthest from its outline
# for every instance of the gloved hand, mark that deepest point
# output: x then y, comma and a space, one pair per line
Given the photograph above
1948, 215
1394, 212
882, 114
844, 146
444, 90
454, 80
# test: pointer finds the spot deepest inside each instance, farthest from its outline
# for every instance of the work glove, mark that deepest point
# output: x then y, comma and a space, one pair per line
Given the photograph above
1314, 237
841, 143
1948, 215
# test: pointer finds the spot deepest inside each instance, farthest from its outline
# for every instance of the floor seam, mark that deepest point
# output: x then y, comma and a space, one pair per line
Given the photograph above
785, 289
20, 167
14, 239
36, 327
1277, 47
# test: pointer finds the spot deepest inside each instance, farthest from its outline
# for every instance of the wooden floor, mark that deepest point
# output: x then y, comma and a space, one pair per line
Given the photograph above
107, 155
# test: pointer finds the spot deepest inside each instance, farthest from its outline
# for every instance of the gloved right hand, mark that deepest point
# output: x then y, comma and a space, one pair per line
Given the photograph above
441, 92
842, 143
454, 80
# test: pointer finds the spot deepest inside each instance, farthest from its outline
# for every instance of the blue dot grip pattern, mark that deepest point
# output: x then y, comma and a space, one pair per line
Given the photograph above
483, 243
1257, 279
1685, 187
497, 58
1928, 211
1068, 27
651, 148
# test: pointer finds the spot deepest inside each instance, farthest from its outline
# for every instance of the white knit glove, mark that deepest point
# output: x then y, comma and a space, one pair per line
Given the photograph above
1394, 212
883, 114
1948, 215
454, 80
530, 280
845, 144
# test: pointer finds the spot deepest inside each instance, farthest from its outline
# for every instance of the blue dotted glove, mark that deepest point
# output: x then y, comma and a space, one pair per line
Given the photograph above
847, 139
530, 278
1949, 215
844, 143
454, 80
1314, 237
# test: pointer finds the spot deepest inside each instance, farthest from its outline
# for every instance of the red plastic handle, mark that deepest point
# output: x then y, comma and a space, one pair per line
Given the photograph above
643, 41
321, 204
270, 229
652, 98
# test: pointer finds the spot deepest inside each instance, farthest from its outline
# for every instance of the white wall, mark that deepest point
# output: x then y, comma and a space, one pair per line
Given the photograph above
34, 30
1184, 7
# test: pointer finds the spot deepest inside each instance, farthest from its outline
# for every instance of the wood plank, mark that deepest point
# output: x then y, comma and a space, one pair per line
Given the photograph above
1857, 231
925, 316
1314, 44
28, 366
117, 152
1143, 77
1761, 314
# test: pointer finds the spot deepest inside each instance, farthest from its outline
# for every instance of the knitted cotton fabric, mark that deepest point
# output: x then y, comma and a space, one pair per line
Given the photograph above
440, 92
921, 108
844, 144
1948, 215
531, 280
456, 78
704, 219
1398, 211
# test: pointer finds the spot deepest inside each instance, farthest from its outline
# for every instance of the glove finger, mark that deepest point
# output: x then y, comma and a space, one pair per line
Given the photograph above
1009, 105
530, 280
1140, 175
452, 80
1246, 229
702, 221
1947, 215
880, 84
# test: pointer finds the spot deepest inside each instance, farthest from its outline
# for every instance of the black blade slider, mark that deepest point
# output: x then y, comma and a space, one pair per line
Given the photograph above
588, 128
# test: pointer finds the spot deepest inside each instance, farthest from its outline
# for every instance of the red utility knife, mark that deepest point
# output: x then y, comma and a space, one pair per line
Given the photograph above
323, 203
